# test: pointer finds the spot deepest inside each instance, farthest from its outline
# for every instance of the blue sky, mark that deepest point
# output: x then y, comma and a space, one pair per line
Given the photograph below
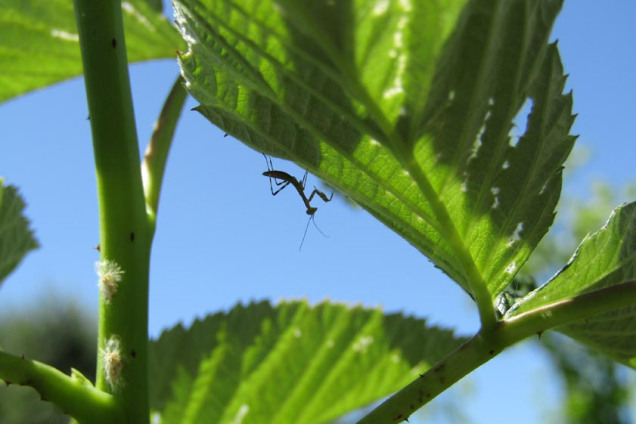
222, 238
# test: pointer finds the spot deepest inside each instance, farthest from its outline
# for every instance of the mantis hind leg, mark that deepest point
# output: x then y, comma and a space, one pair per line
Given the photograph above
320, 194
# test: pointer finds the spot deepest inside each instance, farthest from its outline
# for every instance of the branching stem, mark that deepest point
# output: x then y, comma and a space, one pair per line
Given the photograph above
488, 344
125, 231
73, 396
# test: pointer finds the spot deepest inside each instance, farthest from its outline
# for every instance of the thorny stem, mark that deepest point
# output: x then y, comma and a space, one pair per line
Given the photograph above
73, 396
125, 232
487, 344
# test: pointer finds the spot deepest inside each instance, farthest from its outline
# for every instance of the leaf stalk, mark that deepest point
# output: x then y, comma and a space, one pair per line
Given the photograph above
156, 155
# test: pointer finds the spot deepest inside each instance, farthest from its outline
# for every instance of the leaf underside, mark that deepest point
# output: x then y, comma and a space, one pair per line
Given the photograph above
39, 44
16, 238
603, 259
292, 363
409, 108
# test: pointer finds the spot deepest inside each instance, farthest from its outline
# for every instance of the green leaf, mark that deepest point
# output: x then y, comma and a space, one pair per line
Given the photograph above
603, 259
406, 107
16, 238
39, 42
292, 363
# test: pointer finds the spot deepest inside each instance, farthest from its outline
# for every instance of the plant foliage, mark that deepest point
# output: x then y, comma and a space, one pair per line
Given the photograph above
292, 363
40, 44
604, 259
410, 109
407, 107
16, 238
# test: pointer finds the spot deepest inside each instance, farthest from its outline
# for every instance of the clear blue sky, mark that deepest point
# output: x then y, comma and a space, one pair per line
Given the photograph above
222, 238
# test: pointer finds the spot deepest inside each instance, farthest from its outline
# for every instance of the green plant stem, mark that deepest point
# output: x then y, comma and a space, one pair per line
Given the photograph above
72, 396
156, 155
125, 233
488, 344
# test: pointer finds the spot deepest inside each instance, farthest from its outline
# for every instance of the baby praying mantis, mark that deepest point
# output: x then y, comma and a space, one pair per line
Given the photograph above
283, 179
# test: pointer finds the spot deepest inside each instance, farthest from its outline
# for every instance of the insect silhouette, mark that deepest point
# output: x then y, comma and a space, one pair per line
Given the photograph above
283, 179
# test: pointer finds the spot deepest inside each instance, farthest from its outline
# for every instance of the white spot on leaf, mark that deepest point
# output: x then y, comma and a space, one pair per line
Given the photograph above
240, 414
381, 7
516, 235
363, 344
476, 144
480, 134
130, 9
406, 5
63, 35
495, 193
398, 39
397, 87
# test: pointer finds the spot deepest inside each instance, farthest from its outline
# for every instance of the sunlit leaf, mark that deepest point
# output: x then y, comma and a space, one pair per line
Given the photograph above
39, 45
16, 238
604, 259
292, 363
406, 107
